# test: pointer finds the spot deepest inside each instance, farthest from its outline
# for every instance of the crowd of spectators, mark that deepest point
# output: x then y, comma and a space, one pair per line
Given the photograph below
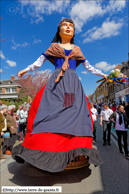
12, 126
112, 116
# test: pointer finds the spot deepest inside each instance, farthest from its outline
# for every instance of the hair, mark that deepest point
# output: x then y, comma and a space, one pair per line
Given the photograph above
57, 37
119, 106
11, 107
3, 107
106, 104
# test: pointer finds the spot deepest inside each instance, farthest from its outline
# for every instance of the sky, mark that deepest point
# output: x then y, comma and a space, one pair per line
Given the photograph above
101, 31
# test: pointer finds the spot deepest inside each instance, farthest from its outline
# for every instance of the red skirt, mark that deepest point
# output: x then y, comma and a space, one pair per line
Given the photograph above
47, 150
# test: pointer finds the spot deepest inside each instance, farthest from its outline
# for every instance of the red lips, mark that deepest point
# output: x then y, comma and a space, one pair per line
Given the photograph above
67, 31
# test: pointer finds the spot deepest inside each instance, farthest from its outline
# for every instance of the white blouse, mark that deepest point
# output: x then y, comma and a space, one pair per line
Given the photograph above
41, 60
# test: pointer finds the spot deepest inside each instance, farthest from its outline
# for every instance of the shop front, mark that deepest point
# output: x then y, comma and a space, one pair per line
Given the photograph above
122, 95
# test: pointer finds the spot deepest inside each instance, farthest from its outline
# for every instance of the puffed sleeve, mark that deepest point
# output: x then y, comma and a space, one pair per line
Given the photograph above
38, 63
91, 68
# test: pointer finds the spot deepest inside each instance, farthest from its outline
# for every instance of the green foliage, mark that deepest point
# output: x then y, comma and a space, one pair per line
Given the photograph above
16, 102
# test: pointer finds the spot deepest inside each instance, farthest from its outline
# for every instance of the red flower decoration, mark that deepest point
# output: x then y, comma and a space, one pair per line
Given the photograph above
123, 80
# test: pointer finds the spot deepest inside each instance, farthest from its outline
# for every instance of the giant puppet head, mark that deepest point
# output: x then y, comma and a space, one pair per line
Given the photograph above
66, 29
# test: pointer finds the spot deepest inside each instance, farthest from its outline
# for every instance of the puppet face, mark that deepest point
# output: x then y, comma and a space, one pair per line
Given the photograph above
66, 30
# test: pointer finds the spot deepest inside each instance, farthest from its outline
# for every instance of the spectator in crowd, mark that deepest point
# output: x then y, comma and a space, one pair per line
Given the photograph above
11, 120
127, 109
3, 128
120, 103
0, 103
123, 103
28, 111
104, 121
18, 116
94, 117
113, 106
28, 105
119, 118
110, 104
23, 122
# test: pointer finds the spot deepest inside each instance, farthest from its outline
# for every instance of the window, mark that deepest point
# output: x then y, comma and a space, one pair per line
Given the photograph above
13, 90
8, 90
1, 90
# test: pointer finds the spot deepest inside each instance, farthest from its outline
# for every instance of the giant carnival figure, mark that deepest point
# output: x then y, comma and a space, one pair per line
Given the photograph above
60, 125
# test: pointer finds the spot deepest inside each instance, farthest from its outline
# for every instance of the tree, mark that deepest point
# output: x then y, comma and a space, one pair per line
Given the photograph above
32, 83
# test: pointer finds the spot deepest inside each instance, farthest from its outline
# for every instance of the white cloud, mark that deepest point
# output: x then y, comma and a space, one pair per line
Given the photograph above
80, 78
19, 45
2, 55
11, 63
83, 11
105, 66
84, 72
37, 20
107, 30
1, 71
37, 8
115, 6
36, 41
80, 11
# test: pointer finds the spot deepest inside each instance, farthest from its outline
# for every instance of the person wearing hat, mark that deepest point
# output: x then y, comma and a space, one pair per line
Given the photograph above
106, 123
11, 120
3, 128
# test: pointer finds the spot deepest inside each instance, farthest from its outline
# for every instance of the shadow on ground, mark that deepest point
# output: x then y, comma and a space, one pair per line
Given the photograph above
28, 175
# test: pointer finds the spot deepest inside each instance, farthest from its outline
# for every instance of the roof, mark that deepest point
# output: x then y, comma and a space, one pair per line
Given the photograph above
9, 82
118, 66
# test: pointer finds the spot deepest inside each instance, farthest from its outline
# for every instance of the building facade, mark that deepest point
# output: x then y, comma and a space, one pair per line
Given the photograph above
108, 92
122, 91
9, 88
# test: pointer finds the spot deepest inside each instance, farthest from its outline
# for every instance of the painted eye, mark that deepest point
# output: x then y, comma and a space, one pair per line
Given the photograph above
71, 26
64, 24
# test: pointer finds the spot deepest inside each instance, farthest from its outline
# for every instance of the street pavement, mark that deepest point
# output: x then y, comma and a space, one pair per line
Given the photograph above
112, 177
